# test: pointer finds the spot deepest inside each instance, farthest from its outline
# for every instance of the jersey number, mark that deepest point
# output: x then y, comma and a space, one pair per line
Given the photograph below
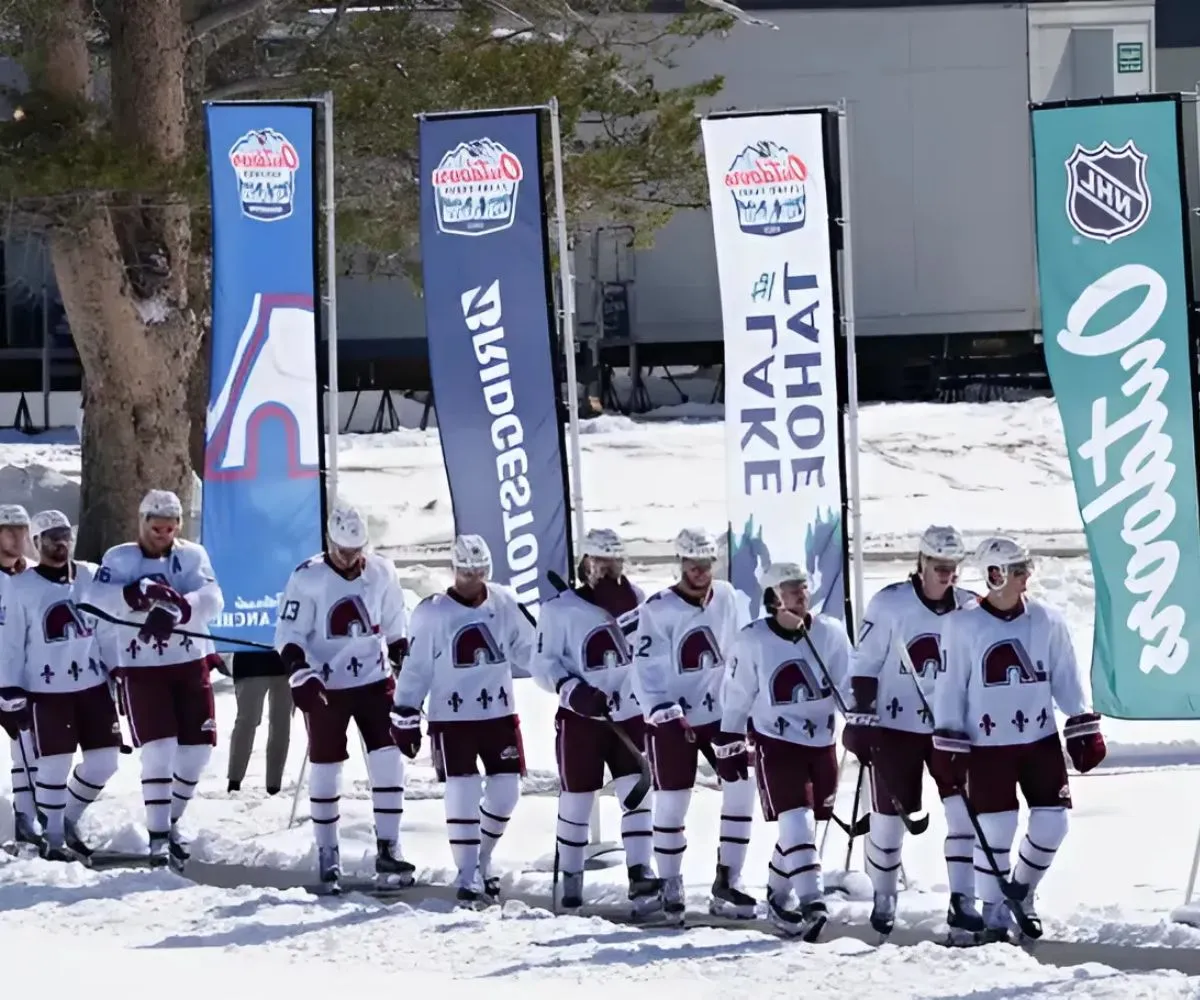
698, 650
794, 682
291, 610
925, 652
1008, 659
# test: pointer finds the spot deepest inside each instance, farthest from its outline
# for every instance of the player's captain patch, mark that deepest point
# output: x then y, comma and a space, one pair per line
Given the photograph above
1107, 193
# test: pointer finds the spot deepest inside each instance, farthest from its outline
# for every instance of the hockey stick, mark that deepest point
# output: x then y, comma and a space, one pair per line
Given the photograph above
1011, 891
29, 779
637, 794
914, 825
91, 609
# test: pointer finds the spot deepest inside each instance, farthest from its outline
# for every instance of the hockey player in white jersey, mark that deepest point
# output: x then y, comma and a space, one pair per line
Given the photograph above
890, 728
583, 656
14, 559
779, 691
52, 680
684, 635
1008, 663
162, 582
465, 643
342, 632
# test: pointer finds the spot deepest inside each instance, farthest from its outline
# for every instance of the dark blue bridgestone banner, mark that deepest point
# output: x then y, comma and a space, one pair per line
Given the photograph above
492, 343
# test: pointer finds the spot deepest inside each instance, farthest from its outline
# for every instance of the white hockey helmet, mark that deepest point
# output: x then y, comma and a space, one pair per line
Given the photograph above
941, 541
347, 528
13, 515
695, 543
48, 520
471, 552
160, 503
1002, 553
780, 573
603, 543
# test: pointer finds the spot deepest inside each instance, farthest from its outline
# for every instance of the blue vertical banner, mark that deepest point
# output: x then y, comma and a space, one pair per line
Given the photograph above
263, 503
492, 341
1114, 272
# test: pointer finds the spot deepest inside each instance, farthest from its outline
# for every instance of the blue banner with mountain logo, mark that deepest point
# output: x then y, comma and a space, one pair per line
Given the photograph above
1115, 288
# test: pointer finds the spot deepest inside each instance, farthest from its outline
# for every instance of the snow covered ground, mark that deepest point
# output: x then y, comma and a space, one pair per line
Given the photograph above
982, 466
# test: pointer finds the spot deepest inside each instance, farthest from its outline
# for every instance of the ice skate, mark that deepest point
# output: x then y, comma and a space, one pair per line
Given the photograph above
814, 913
1029, 924
329, 869
645, 892
54, 849
26, 832
786, 920
571, 898
160, 849
177, 852
883, 914
673, 904
491, 886
75, 844
728, 900
470, 895
964, 922
997, 924
391, 871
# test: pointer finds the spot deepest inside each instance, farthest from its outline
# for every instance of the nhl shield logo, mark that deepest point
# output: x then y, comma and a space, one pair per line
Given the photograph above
1107, 193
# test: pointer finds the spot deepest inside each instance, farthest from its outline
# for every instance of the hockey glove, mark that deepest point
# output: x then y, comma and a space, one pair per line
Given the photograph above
143, 594
733, 758
308, 691
950, 759
158, 624
857, 737
667, 718
406, 730
1085, 743
583, 699
14, 711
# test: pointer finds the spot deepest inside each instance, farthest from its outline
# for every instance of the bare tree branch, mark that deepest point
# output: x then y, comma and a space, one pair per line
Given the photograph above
261, 85
219, 17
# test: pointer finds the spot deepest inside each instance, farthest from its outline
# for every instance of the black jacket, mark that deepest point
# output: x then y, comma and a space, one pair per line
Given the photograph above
256, 664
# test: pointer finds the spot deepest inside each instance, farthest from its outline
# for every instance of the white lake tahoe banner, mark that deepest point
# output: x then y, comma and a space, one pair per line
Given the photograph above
1114, 275
770, 180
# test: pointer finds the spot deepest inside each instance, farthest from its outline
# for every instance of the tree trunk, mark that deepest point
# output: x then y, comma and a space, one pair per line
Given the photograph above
123, 270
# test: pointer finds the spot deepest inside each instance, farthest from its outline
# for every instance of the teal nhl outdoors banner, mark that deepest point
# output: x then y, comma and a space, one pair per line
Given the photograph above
1114, 272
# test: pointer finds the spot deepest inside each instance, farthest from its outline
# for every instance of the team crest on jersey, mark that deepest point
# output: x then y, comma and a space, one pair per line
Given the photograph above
62, 622
605, 648
793, 682
348, 618
698, 650
1008, 659
475, 646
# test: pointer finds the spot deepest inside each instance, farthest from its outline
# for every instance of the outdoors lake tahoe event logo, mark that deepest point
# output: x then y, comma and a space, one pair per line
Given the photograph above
1107, 193
767, 183
475, 188
265, 164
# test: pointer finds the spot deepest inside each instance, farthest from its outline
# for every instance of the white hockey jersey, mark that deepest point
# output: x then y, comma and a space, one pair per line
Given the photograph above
775, 680
344, 626
1004, 675
187, 568
901, 615
462, 657
579, 639
47, 645
680, 648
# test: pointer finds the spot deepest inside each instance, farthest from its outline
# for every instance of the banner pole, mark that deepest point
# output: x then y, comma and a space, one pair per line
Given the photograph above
331, 319
567, 304
848, 327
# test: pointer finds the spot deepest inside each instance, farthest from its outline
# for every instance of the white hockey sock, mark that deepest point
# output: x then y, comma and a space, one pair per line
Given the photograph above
670, 815
960, 839
324, 802
798, 846
999, 829
635, 823
385, 768
157, 759
189, 765
779, 882
88, 779
21, 783
500, 795
1044, 835
52, 791
574, 812
882, 852
737, 817
461, 802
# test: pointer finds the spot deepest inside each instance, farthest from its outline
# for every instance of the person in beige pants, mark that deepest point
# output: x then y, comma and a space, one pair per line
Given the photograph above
258, 678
